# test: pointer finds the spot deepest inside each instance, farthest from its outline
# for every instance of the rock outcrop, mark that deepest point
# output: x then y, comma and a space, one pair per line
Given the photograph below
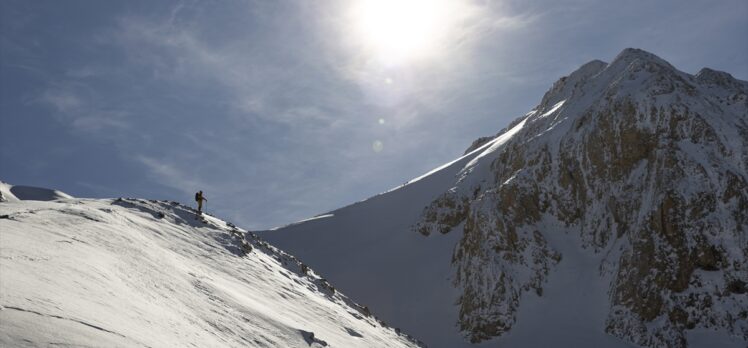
648, 166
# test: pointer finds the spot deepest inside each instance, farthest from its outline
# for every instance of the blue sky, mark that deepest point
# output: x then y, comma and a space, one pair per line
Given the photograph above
280, 110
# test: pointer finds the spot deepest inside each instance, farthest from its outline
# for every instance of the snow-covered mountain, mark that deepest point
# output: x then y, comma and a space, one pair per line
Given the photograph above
138, 273
615, 213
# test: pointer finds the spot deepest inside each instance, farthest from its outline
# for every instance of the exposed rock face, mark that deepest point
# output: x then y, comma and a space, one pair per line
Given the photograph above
648, 166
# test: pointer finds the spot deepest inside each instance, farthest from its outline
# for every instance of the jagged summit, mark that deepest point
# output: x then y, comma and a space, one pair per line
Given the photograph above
565, 87
610, 214
598, 77
630, 55
634, 73
708, 76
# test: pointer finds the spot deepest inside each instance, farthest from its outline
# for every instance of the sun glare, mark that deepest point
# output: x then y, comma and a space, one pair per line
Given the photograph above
397, 31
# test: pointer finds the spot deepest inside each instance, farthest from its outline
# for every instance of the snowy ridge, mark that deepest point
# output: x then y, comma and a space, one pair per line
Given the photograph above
629, 180
15, 193
137, 273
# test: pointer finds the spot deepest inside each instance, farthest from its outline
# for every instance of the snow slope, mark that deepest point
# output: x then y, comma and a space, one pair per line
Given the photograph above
609, 215
137, 273
370, 249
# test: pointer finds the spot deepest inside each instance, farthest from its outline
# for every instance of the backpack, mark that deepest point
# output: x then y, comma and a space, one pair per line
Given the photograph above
197, 196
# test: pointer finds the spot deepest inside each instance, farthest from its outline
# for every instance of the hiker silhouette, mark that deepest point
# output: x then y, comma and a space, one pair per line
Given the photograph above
199, 198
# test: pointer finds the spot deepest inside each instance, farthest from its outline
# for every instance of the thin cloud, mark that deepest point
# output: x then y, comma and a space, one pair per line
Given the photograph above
513, 22
81, 113
63, 100
177, 52
169, 175
82, 72
99, 123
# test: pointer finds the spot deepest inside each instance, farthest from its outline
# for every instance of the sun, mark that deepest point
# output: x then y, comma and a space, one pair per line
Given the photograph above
399, 31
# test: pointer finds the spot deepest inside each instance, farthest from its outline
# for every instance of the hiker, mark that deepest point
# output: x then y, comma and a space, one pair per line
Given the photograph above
200, 198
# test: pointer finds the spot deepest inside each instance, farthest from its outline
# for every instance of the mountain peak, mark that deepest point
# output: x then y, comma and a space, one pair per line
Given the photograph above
629, 55
639, 65
707, 76
630, 59
564, 87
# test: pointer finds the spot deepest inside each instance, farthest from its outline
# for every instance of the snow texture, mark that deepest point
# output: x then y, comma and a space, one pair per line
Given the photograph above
137, 273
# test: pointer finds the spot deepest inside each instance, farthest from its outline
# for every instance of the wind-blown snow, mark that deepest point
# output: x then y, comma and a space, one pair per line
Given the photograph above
495, 144
323, 216
553, 109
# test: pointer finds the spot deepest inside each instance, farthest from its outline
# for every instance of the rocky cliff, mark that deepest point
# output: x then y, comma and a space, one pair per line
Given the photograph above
646, 166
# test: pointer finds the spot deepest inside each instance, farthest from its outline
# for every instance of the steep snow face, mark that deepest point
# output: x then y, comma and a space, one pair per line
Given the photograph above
615, 208
136, 273
368, 248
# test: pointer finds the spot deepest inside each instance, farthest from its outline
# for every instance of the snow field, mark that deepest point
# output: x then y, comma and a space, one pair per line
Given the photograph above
137, 273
